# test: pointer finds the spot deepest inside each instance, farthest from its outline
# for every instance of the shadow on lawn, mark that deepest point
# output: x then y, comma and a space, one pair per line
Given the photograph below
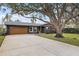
72, 39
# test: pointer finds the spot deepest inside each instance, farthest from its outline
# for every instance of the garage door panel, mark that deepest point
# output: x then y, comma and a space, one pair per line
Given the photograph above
18, 30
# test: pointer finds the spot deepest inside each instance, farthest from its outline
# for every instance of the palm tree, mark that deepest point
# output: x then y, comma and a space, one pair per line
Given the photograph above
33, 20
6, 18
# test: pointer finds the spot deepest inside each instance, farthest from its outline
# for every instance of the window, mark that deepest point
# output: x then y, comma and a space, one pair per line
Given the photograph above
32, 29
35, 29
47, 28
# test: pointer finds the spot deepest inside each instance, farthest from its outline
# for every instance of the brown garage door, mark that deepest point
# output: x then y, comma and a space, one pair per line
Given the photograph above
18, 30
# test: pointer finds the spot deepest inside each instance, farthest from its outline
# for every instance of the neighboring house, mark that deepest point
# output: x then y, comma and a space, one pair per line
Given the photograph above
23, 28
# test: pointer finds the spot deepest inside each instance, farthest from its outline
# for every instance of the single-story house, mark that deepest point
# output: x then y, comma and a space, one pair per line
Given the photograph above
27, 28
23, 28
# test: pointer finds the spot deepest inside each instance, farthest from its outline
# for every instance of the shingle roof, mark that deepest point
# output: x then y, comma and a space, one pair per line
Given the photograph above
22, 24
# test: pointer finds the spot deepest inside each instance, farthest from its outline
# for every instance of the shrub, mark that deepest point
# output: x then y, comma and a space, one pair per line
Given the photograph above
48, 31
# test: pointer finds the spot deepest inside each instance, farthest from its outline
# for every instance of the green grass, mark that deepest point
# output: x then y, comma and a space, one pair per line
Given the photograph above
1, 39
72, 39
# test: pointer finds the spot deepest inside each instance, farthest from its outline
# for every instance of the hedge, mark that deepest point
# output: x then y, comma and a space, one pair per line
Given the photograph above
65, 30
71, 30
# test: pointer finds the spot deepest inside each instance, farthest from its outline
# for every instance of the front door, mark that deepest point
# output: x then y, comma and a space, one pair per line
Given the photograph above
33, 29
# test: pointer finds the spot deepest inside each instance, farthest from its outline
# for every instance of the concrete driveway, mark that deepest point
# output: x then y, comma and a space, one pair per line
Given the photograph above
32, 45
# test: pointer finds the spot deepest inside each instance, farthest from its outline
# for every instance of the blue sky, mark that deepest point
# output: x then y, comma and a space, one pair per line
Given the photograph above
5, 10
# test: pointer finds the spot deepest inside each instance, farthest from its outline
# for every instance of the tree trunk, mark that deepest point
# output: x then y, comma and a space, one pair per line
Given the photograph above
59, 33
58, 27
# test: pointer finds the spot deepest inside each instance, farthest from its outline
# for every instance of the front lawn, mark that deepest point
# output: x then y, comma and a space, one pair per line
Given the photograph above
69, 38
1, 39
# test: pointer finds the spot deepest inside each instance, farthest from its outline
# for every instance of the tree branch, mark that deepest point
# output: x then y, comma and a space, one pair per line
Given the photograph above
39, 19
71, 18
